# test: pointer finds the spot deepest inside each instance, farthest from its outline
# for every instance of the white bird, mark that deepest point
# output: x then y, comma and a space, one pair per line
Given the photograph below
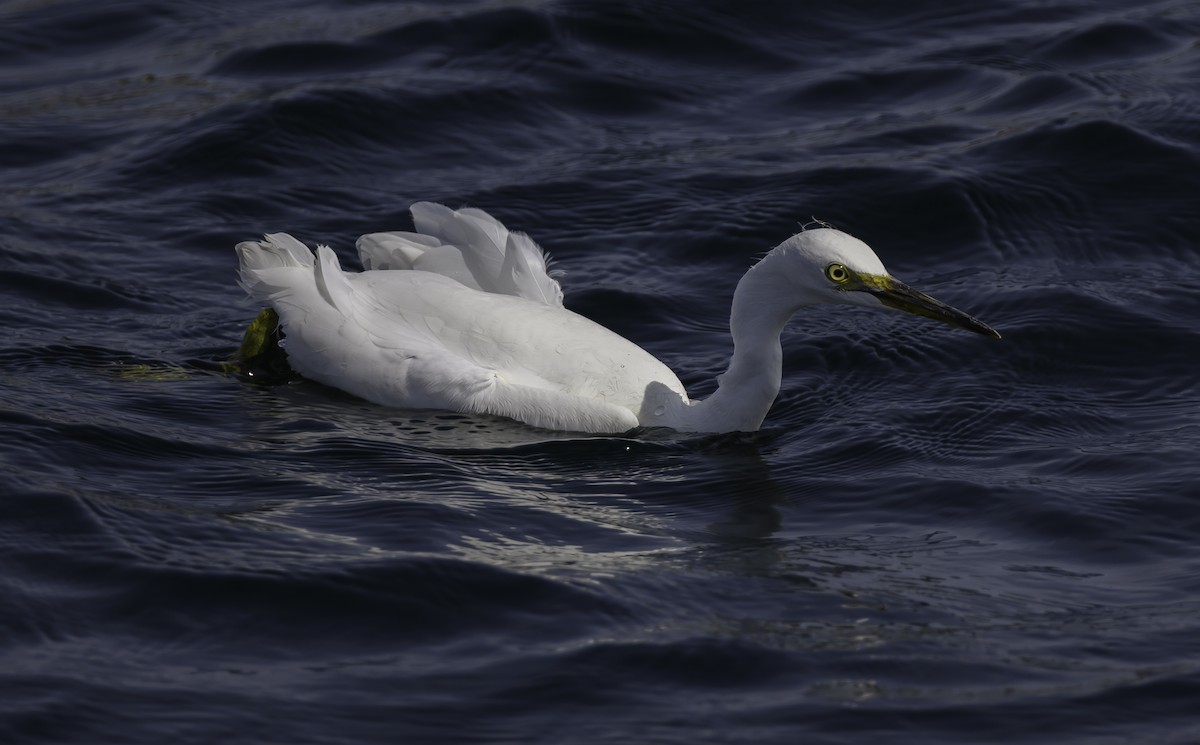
463, 315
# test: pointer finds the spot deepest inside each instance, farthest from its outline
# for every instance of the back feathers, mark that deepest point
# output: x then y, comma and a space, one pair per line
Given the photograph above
467, 245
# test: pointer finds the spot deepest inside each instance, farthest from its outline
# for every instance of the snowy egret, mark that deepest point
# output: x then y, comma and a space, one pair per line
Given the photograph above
463, 315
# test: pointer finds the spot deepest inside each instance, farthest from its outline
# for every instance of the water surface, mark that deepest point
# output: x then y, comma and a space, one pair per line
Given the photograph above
937, 537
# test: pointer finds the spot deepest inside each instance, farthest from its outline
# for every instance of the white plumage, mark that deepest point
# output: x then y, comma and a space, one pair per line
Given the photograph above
463, 315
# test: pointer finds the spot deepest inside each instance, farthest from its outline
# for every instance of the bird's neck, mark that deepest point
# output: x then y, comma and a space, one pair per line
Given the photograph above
762, 305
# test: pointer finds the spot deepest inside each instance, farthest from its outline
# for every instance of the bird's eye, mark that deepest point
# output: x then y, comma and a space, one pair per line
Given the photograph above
837, 273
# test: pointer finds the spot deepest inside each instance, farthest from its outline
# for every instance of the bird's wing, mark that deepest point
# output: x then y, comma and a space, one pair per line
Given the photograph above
499, 260
382, 337
423, 320
549, 409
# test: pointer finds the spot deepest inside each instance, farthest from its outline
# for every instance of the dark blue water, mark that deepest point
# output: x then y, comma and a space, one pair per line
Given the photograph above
937, 538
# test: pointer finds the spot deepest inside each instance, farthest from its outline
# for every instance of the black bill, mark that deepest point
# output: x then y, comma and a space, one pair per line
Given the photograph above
895, 294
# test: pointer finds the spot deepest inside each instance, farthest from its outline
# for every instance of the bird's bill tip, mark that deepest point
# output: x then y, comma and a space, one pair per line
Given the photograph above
895, 294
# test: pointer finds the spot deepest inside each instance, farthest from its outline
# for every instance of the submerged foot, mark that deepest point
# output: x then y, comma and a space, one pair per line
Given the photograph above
260, 356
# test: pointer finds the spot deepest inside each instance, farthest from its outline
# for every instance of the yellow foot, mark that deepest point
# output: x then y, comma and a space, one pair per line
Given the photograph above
260, 357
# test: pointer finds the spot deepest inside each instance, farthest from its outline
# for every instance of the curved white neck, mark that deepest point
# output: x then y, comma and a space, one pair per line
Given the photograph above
762, 304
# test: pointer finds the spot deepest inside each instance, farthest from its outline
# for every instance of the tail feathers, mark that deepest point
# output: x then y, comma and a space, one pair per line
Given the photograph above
493, 228
465, 227
397, 250
525, 267
260, 262
425, 253
282, 268
279, 249
480, 238
332, 282
500, 261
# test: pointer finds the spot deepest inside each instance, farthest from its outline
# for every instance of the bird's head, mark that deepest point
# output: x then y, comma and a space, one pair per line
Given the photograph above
829, 266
